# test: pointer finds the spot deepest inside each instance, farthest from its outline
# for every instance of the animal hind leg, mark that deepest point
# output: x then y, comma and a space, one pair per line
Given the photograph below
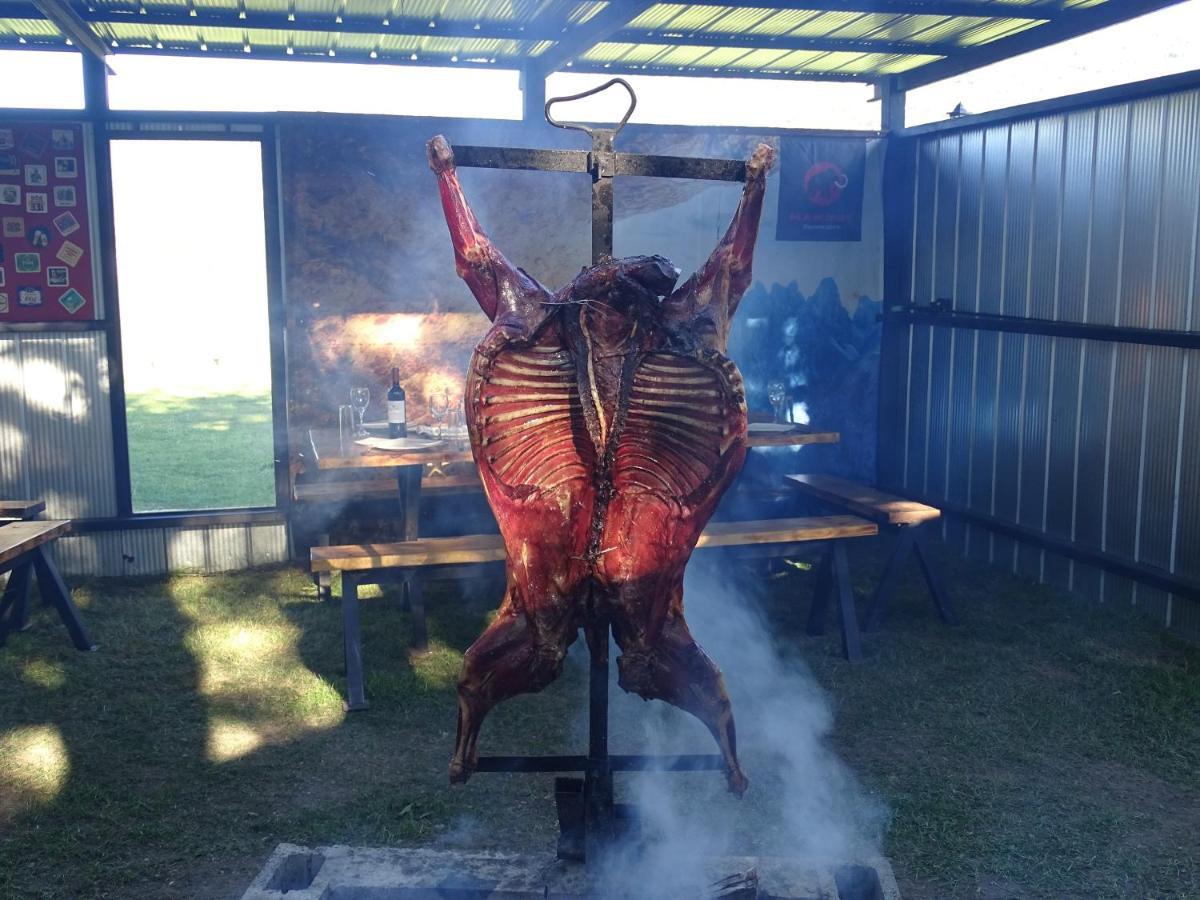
674, 668
511, 657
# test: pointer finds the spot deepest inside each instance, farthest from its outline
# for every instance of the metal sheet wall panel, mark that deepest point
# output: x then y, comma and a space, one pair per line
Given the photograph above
1094, 216
55, 422
1143, 200
1046, 236
1076, 216
209, 550
1108, 214
993, 203
1180, 213
135, 552
157, 551
268, 544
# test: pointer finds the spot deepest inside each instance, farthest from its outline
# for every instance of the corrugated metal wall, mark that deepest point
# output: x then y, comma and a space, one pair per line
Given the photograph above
56, 445
1085, 216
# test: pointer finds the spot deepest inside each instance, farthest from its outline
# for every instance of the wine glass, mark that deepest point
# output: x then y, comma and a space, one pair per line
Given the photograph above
439, 408
777, 393
360, 397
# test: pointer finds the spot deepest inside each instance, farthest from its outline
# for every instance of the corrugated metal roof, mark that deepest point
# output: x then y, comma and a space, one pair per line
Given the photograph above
864, 40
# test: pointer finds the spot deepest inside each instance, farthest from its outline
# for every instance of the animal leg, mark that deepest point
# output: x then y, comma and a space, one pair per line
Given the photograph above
516, 654
674, 668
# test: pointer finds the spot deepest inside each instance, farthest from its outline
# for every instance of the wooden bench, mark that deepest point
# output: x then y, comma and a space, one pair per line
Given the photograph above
21, 509
23, 553
404, 561
340, 491
903, 516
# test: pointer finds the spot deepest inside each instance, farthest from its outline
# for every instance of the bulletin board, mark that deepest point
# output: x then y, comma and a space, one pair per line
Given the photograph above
46, 264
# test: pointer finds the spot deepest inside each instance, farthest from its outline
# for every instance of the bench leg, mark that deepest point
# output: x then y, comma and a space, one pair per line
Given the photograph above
15, 601
940, 598
416, 603
887, 581
847, 615
820, 598
352, 640
55, 590
323, 580
410, 499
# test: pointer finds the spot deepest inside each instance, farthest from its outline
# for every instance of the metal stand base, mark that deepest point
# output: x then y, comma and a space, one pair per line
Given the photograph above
589, 818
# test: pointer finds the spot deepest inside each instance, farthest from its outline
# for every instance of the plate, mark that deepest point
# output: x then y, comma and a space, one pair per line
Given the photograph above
771, 427
404, 443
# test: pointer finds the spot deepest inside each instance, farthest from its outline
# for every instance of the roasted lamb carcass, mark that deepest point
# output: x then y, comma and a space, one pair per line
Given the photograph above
606, 423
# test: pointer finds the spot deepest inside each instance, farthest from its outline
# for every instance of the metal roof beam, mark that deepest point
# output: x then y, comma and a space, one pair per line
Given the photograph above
701, 72
783, 42
578, 40
61, 14
1068, 24
944, 8
400, 26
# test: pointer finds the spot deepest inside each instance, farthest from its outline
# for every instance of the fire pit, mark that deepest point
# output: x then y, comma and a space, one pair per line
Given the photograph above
349, 873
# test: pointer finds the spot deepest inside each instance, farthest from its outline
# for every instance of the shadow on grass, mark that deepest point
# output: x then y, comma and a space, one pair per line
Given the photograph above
1045, 748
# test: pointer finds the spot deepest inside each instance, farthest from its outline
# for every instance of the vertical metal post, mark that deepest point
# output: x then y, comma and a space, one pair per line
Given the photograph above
533, 95
603, 165
599, 805
95, 92
891, 98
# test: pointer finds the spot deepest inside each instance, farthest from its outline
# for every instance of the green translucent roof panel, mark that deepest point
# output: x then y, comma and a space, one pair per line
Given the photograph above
868, 41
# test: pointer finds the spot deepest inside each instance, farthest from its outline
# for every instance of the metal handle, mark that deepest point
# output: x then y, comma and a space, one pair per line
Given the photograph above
596, 90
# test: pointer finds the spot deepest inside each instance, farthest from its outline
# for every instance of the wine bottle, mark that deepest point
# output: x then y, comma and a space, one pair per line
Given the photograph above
397, 426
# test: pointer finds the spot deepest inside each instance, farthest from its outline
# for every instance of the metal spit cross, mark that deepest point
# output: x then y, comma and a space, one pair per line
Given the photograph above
588, 815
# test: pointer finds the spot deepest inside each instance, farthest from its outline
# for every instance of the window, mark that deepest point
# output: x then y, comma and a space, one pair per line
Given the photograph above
192, 279
1157, 44
41, 79
250, 85
750, 102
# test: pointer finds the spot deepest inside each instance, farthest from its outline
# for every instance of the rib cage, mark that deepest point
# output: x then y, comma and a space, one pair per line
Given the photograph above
529, 413
672, 440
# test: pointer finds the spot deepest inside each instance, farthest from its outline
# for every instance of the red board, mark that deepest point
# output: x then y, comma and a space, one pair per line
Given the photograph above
45, 228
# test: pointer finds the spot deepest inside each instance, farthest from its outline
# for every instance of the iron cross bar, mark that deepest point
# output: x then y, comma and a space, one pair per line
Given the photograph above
603, 164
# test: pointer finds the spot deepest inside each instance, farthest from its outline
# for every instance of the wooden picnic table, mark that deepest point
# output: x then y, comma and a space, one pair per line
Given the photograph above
325, 452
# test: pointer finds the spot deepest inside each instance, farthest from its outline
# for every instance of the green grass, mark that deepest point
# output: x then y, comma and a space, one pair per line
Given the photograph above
200, 452
1045, 748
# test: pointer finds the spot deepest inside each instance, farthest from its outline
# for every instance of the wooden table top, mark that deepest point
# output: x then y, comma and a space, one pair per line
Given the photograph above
328, 454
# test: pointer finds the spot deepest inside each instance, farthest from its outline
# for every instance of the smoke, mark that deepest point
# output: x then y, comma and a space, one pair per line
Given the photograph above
803, 802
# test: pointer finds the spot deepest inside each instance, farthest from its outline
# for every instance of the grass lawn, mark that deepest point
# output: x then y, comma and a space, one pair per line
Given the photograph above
1047, 748
200, 452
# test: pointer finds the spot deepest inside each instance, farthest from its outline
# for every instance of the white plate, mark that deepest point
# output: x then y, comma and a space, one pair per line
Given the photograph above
771, 427
404, 443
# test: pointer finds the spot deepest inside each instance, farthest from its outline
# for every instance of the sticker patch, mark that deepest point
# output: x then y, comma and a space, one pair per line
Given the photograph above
57, 276
27, 263
39, 236
14, 226
3, 302
37, 203
35, 176
1, 276
70, 253
64, 195
72, 301
6, 139
62, 139
10, 195
9, 164
65, 167
66, 223
34, 145
29, 296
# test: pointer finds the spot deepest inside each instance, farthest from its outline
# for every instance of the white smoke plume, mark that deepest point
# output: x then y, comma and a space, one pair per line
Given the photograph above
803, 802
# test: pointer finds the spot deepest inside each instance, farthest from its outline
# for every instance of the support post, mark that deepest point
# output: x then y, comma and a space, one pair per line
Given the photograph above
533, 94
891, 98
